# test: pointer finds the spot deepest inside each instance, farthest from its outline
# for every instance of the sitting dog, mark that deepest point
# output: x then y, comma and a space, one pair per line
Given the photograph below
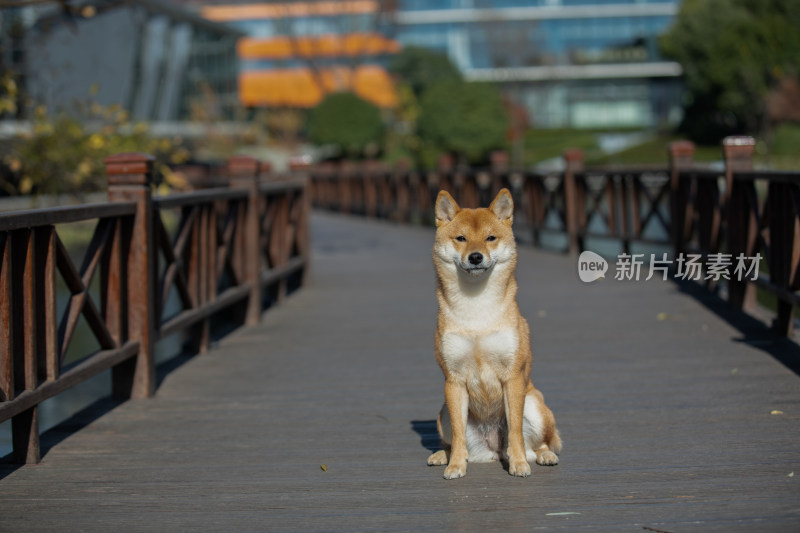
482, 344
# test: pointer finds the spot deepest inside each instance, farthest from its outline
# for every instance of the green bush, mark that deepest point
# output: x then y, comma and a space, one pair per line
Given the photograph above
61, 155
464, 118
351, 124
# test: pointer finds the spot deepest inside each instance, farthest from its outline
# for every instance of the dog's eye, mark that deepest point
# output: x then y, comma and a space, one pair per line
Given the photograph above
491, 238
461, 238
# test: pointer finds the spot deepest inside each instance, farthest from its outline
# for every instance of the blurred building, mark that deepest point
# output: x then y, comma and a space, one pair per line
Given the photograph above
158, 61
570, 63
296, 52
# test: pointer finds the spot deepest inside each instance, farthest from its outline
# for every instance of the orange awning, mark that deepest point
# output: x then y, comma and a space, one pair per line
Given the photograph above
300, 88
353, 44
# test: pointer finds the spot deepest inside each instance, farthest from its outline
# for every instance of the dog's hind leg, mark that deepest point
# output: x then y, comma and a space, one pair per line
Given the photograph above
542, 441
546, 457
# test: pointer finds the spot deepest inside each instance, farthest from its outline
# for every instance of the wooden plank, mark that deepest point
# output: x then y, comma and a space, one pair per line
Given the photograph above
94, 252
47, 325
50, 216
194, 198
111, 288
69, 322
274, 274
67, 269
25, 305
91, 366
7, 327
185, 319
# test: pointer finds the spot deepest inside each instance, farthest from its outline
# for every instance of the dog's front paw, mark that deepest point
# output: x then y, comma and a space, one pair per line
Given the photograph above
519, 468
437, 459
455, 470
547, 458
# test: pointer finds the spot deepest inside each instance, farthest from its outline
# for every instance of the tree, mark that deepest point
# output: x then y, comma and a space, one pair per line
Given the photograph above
346, 121
468, 119
420, 68
735, 55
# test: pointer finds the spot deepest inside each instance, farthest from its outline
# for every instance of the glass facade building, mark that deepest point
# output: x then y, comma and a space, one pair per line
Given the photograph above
157, 61
570, 63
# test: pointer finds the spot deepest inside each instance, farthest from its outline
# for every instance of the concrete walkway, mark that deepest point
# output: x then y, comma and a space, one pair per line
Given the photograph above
321, 418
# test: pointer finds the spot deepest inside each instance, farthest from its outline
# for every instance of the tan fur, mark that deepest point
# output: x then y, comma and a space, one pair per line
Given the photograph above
482, 344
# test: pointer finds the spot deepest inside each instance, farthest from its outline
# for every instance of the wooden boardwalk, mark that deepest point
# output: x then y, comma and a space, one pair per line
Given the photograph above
664, 403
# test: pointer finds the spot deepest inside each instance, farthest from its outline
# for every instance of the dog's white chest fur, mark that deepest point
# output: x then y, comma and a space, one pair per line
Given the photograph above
472, 355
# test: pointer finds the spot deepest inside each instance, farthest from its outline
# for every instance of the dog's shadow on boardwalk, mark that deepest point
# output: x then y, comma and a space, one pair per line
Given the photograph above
428, 436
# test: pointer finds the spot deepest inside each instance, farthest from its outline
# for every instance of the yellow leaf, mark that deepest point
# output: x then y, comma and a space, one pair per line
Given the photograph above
96, 141
25, 185
324, 468
776, 412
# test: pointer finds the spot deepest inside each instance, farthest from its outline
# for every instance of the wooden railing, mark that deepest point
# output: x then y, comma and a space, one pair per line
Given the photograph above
160, 265
678, 207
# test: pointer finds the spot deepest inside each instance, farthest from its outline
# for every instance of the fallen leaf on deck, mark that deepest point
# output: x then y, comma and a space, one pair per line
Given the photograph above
776, 412
324, 468
791, 474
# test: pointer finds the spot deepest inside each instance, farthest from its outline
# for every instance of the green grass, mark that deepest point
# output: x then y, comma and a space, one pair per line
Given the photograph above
655, 151
546, 144
779, 150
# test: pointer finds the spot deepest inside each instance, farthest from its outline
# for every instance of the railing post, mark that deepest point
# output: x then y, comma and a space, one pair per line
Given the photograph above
445, 170
130, 177
742, 224
499, 162
244, 172
784, 249
346, 186
681, 155
573, 159
23, 360
402, 179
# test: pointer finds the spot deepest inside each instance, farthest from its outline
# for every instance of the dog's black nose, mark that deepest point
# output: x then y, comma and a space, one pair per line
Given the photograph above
475, 258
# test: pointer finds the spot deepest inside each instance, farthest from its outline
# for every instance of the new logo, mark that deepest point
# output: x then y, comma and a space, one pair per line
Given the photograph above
591, 267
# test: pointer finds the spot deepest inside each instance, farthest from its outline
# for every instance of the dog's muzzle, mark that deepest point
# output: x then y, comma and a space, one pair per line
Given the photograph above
476, 264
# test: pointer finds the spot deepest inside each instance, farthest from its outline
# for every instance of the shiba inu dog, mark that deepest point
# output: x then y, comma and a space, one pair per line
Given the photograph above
492, 410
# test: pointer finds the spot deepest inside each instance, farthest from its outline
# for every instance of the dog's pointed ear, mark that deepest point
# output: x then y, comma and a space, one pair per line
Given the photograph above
446, 208
503, 207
